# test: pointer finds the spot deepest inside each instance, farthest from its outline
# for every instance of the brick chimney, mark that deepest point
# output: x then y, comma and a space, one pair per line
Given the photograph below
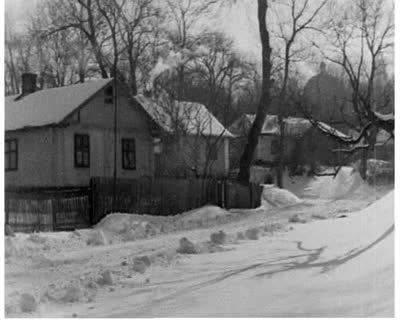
28, 83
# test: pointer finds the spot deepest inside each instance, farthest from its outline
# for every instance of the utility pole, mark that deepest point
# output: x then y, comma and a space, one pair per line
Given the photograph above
114, 204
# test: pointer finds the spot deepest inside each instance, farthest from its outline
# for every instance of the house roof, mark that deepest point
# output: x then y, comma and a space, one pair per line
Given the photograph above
294, 127
49, 106
383, 138
191, 117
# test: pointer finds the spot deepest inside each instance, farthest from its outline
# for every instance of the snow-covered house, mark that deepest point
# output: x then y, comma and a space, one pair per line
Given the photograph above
193, 141
302, 142
65, 136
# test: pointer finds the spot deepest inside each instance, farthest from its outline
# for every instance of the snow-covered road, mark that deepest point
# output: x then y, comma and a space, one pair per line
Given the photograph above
328, 268
335, 267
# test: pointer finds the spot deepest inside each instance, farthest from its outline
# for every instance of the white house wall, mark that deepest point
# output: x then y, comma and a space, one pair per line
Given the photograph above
36, 165
46, 156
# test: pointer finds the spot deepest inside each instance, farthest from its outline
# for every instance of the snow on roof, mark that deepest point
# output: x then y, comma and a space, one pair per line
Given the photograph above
49, 106
384, 117
294, 127
191, 117
383, 138
327, 128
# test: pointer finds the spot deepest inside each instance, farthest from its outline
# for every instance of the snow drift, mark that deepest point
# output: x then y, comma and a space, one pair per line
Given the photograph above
329, 268
128, 227
273, 197
346, 182
204, 214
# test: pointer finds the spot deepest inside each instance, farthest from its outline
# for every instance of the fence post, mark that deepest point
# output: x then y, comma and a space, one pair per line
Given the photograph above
53, 209
92, 200
251, 195
223, 193
226, 193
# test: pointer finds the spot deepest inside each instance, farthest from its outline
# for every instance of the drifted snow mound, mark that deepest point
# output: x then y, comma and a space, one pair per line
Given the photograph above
345, 183
128, 226
203, 214
273, 197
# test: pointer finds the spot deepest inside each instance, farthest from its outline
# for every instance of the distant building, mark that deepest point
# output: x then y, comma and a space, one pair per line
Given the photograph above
303, 143
194, 142
328, 99
65, 136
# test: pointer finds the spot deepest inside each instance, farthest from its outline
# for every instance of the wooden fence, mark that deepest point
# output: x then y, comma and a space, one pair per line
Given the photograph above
67, 209
29, 210
169, 196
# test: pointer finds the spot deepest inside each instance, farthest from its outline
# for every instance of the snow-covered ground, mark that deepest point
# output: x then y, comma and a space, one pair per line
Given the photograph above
338, 262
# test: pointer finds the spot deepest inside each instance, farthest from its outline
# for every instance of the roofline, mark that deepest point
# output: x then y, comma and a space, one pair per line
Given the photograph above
87, 100
57, 124
28, 128
225, 134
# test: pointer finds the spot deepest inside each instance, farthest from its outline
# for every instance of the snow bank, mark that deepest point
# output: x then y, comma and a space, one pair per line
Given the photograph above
22, 246
359, 230
379, 171
273, 197
129, 227
346, 182
205, 213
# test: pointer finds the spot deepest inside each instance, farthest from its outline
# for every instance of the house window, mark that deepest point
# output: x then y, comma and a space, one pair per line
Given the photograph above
274, 147
82, 151
128, 154
11, 154
213, 152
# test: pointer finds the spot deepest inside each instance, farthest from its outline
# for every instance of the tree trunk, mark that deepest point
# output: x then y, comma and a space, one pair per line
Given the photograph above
281, 152
81, 76
281, 116
99, 57
132, 76
363, 164
252, 140
181, 79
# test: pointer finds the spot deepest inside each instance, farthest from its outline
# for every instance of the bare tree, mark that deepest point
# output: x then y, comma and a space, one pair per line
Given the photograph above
184, 16
11, 43
358, 38
138, 28
265, 98
221, 69
85, 16
301, 18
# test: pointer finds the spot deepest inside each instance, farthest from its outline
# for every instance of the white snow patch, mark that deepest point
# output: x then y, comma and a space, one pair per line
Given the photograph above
128, 227
346, 182
204, 214
273, 197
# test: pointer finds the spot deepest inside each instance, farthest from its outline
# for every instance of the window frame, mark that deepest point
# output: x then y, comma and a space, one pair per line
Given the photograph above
8, 152
109, 95
126, 144
81, 148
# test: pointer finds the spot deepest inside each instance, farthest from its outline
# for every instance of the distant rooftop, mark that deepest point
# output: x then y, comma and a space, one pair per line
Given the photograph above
294, 127
194, 118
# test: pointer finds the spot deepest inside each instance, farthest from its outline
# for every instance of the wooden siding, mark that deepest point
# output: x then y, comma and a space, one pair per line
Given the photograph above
46, 155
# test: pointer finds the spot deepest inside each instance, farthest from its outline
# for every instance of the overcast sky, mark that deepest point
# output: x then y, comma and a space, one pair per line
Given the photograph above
236, 21
239, 21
